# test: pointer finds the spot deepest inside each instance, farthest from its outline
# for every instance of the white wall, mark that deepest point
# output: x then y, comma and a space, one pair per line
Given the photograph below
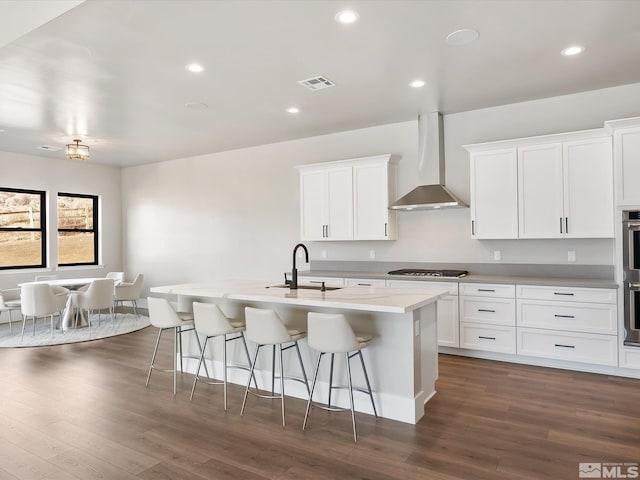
61, 175
236, 213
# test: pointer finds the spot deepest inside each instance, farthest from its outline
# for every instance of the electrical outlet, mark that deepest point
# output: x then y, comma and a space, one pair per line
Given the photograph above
324, 254
372, 254
497, 255
571, 256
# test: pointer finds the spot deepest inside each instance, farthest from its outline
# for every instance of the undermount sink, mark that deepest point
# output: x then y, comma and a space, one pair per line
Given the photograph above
307, 287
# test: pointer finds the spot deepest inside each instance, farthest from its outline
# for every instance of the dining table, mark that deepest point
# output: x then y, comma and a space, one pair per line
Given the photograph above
69, 320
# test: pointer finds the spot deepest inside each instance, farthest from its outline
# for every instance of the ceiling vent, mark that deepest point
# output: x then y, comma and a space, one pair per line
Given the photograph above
49, 148
316, 83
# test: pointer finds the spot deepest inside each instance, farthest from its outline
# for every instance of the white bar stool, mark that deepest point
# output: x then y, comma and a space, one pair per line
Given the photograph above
211, 322
264, 327
164, 317
331, 333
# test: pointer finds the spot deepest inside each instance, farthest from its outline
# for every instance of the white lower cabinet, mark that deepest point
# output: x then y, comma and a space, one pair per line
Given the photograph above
550, 324
571, 346
448, 325
488, 317
492, 338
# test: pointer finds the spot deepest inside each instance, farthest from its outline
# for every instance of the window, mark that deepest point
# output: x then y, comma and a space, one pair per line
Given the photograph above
22, 228
77, 229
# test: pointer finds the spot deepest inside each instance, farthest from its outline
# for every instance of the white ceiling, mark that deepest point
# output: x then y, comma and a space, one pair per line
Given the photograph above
113, 72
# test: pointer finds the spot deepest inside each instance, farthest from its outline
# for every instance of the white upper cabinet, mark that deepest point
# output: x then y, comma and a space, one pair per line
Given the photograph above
555, 186
348, 199
494, 194
372, 218
626, 152
540, 191
326, 207
588, 188
565, 190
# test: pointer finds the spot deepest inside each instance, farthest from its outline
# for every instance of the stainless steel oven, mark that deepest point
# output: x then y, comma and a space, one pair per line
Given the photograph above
631, 265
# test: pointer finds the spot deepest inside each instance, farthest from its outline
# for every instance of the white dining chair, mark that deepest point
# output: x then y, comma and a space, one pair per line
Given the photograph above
118, 277
99, 296
40, 300
10, 301
129, 292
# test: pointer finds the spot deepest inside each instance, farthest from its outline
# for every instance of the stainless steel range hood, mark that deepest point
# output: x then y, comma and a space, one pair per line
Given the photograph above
433, 194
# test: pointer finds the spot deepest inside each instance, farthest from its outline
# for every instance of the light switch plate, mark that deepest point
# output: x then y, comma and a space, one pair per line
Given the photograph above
372, 254
571, 256
324, 254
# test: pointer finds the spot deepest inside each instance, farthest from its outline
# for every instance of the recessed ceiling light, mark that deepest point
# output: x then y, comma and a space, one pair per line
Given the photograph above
195, 68
574, 50
462, 37
417, 84
293, 110
347, 16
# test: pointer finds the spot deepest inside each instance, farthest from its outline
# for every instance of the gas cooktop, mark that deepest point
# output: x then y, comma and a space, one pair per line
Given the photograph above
429, 273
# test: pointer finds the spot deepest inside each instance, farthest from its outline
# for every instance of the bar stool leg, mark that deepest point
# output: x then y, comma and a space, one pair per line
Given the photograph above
179, 333
330, 380
353, 413
273, 371
366, 378
175, 358
246, 391
206, 370
244, 344
153, 357
195, 380
282, 382
224, 367
304, 374
313, 387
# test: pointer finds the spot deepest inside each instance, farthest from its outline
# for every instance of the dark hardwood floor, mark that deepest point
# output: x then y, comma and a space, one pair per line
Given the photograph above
81, 411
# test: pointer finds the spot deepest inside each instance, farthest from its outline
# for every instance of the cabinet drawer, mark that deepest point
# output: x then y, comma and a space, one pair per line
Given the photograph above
488, 290
495, 311
492, 338
577, 317
569, 294
364, 282
328, 281
452, 286
574, 347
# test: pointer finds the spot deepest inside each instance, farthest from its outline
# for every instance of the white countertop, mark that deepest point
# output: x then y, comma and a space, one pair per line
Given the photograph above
372, 299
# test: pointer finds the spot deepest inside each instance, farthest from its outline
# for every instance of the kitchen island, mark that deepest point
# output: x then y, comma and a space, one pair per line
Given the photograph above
402, 359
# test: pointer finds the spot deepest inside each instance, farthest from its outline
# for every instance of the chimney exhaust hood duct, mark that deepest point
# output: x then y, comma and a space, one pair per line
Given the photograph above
433, 194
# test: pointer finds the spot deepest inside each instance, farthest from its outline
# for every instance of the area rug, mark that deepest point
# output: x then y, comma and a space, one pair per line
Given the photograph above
123, 323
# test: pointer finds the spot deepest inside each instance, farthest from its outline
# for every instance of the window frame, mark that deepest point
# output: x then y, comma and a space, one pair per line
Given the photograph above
94, 230
42, 229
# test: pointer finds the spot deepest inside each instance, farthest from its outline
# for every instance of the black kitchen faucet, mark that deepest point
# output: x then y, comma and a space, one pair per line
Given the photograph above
293, 285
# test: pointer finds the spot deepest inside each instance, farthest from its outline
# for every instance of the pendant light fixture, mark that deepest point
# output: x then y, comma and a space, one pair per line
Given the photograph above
76, 150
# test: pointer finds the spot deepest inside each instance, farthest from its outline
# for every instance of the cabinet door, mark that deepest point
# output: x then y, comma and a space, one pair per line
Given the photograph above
540, 190
312, 205
339, 201
370, 197
588, 188
627, 160
494, 194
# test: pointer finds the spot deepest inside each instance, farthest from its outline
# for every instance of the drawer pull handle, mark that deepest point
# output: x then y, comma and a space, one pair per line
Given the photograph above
564, 316
564, 346
487, 338
364, 284
486, 310
565, 294
485, 290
